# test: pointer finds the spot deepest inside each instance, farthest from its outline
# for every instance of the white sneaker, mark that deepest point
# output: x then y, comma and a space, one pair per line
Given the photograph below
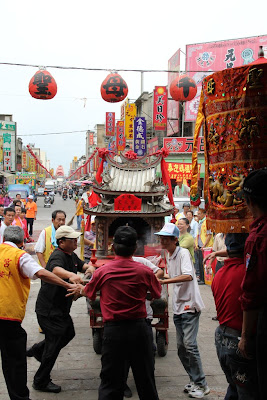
190, 386
198, 392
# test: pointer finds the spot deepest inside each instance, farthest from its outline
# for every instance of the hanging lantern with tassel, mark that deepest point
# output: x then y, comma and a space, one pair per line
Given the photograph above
183, 88
114, 88
42, 85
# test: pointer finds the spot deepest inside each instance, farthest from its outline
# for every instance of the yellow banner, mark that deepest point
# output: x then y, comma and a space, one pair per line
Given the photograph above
130, 114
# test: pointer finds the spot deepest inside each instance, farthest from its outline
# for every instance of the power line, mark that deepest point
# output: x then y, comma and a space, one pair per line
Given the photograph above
101, 69
53, 133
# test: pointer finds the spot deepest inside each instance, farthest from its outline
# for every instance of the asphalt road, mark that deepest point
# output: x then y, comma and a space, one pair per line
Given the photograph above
77, 367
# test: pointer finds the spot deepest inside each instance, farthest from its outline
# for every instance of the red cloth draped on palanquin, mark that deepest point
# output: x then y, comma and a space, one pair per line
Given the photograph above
233, 111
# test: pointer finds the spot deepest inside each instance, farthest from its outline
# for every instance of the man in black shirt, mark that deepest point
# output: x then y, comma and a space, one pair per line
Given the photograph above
53, 308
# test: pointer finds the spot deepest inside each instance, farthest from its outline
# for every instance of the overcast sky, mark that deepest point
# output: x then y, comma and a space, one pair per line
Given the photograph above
101, 34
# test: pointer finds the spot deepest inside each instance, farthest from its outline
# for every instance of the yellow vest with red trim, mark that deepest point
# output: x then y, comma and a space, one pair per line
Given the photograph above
203, 235
49, 248
14, 287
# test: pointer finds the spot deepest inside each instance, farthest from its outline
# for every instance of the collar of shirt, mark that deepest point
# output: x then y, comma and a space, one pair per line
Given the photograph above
123, 258
174, 254
11, 244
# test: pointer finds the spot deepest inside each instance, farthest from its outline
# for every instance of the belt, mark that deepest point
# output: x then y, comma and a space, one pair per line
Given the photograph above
230, 331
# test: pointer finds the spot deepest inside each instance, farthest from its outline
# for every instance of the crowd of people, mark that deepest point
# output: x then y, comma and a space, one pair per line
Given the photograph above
238, 288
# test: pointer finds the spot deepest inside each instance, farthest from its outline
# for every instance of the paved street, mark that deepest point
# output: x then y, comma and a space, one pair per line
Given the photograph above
77, 368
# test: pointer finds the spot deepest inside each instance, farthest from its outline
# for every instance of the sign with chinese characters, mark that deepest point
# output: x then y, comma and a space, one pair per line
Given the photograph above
140, 136
173, 106
91, 138
120, 136
180, 171
110, 123
206, 58
24, 159
160, 108
130, 114
7, 126
152, 145
32, 164
183, 144
127, 202
7, 151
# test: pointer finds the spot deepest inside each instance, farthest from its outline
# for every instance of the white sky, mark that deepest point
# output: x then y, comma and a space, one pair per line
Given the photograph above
101, 34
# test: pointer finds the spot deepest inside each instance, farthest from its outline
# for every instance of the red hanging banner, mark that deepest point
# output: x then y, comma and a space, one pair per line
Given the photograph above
121, 141
110, 123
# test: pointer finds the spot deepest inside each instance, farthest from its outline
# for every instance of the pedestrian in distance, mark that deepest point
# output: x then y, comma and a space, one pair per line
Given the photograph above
47, 242
17, 268
79, 212
187, 305
204, 239
9, 215
124, 283
31, 213
193, 223
241, 373
53, 308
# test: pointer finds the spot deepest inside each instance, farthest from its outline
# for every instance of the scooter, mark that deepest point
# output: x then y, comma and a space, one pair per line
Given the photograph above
64, 196
47, 201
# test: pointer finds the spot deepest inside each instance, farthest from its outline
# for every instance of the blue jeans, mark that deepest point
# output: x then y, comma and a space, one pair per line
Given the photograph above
186, 335
241, 373
79, 220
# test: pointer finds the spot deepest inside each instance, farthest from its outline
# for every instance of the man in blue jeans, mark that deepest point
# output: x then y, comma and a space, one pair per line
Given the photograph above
187, 305
241, 373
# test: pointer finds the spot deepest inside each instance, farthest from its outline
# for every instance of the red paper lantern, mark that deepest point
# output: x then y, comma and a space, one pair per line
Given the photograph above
114, 88
183, 88
42, 85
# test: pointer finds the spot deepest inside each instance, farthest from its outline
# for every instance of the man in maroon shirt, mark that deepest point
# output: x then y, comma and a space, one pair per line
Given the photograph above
124, 284
254, 293
226, 287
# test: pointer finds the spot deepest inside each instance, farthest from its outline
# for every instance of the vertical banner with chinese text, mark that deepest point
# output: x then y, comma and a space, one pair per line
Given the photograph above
160, 108
140, 146
130, 114
110, 123
120, 136
7, 151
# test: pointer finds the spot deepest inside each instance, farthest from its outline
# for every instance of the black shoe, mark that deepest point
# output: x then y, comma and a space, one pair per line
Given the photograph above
214, 318
127, 392
50, 387
30, 353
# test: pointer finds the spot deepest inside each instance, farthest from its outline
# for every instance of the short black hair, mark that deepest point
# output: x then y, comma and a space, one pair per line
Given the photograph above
255, 188
124, 241
54, 213
185, 220
23, 210
15, 201
9, 209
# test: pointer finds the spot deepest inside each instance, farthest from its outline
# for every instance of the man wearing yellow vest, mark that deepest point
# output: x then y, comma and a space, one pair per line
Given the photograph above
16, 269
47, 243
204, 239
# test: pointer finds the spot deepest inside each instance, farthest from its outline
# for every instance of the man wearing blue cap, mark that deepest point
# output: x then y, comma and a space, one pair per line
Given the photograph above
240, 373
187, 305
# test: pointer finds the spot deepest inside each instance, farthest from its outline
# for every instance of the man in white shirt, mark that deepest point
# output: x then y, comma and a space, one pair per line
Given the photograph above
9, 215
187, 305
17, 268
193, 223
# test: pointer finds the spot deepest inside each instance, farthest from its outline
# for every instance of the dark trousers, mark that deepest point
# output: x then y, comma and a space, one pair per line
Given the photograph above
199, 264
241, 373
30, 225
262, 352
127, 341
13, 340
59, 331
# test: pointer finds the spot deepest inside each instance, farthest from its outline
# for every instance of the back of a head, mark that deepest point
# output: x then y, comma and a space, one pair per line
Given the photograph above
124, 241
235, 244
14, 234
255, 188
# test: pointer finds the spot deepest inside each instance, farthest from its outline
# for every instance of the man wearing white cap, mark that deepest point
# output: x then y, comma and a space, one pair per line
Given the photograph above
187, 305
31, 212
53, 307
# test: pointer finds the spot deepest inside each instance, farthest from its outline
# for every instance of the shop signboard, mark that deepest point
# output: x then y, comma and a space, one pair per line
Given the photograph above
110, 123
130, 114
203, 59
120, 136
24, 159
182, 144
160, 108
140, 146
180, 171
152, 145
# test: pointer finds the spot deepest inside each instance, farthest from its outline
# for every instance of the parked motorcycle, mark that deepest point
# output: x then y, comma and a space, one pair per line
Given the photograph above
47, 201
